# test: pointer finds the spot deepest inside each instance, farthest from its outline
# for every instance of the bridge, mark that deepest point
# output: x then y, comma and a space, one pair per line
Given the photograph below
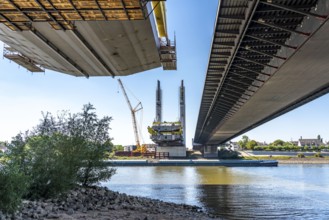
267, 57
87, 38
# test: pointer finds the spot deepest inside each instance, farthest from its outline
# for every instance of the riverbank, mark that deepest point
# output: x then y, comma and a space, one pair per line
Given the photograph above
100, 203
311, 160
203, 162
286, 157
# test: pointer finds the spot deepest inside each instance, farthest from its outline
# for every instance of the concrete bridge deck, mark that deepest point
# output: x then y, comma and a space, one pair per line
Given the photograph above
267, 58
87, 38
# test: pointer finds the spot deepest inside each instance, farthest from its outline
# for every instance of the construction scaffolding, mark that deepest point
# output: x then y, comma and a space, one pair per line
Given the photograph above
18, 14
22, 60
168, 56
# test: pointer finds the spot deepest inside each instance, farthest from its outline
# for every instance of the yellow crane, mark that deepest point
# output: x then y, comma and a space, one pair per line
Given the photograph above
133, 115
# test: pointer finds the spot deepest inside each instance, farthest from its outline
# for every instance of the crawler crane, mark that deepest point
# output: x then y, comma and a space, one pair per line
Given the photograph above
140, 148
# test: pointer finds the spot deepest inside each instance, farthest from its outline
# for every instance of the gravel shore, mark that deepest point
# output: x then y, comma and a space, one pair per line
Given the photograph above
101, 203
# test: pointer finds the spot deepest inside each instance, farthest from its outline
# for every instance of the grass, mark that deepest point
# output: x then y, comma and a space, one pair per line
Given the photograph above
267, 158
129, 158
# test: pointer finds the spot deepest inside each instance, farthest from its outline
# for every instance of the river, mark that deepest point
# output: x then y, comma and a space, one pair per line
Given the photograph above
283, 192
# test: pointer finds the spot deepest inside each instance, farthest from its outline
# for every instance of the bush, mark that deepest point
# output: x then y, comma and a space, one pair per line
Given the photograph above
258, 148
52, 154
227, 154
63, 151
300, 155
318, 155
13, 186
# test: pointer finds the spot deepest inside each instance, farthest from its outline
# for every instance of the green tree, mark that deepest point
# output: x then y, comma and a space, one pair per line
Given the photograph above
13, 186
118, 148
95, 148
278, 142
251, 144
243, 142
63, 151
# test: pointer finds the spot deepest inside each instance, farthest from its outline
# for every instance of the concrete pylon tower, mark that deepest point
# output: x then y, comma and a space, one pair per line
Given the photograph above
158, 107
182, 109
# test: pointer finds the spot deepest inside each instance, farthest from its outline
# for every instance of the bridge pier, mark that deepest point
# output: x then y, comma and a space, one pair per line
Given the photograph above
210, 151
174, 151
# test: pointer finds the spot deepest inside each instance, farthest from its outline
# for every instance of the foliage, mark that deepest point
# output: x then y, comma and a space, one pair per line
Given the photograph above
227, 154
94, 147
13, 186
318, 155
63, 151
300, 155
258, 148
118, 148
251, 144
244, 141
278, 142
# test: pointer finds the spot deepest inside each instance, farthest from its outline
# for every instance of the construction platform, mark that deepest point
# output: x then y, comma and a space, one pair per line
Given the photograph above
88, 38
169, 136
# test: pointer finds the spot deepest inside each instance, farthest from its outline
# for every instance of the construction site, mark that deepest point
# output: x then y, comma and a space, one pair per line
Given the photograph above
169, 137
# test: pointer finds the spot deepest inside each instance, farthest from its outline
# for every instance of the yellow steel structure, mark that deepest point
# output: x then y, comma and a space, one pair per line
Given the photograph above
160, 16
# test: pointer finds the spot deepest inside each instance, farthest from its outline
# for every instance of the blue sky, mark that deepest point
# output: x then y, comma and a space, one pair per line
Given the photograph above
24, 95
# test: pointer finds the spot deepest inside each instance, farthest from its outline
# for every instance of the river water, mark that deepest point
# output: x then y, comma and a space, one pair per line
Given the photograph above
283, 192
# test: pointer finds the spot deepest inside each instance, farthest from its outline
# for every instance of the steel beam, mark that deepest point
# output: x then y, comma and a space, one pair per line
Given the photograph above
19, 9
250, 70
255, 62
263, 22
271, 42
50, 15
226, 54
235, 73
10, 22
100, 9
231, 43
287, 8
239, 87
264, 53
76, 10
224, 31
234, 17
234, 96
243, 83
125, 9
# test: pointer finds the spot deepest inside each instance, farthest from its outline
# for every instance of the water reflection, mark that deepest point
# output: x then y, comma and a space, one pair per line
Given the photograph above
285, 192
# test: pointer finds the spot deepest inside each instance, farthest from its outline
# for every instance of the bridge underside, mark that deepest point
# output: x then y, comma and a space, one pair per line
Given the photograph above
83, 38
267, 58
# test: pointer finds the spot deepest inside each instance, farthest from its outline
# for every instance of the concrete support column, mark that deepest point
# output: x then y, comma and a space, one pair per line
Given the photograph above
182, 110
210, 151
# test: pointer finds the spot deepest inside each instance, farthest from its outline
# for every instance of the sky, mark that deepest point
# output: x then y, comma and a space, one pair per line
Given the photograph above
24, 95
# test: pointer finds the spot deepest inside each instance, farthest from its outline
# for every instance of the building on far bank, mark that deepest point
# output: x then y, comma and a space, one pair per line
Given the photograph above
234, 146
310, 142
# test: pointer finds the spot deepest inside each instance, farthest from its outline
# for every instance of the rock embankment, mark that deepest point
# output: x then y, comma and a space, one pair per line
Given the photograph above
101, 203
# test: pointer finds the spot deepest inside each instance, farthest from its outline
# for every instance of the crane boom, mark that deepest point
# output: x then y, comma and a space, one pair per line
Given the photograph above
133, 111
